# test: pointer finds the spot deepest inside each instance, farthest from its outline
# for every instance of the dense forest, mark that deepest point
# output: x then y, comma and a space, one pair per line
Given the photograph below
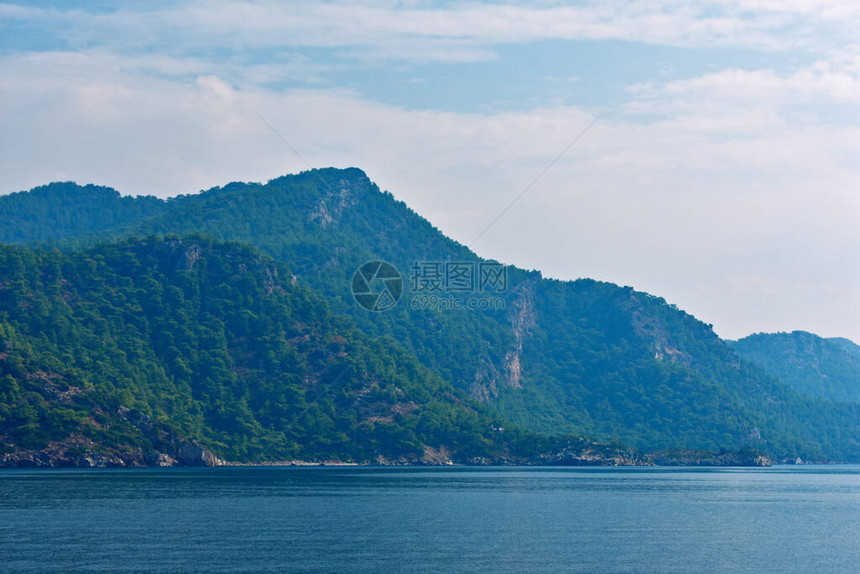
582, 357
827, 368
62, 210
141, 343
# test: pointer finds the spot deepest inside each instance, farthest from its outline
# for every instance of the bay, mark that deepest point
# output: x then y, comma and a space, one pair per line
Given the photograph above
408, 519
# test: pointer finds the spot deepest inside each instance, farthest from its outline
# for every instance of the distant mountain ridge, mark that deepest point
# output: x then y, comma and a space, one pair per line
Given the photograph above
64, 209
827, 368
581, 357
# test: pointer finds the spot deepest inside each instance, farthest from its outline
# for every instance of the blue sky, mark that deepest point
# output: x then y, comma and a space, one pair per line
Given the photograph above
722, 175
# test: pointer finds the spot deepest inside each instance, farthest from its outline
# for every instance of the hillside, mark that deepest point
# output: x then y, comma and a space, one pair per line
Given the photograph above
134, 351
61, 210
849, 346
582, 357
827, 368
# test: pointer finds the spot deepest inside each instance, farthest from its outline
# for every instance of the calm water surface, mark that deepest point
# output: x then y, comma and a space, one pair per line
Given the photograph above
780, 519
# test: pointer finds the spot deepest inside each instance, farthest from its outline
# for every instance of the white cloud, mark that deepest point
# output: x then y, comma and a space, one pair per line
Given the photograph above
720, 193
452, 32
731, 194
817, 83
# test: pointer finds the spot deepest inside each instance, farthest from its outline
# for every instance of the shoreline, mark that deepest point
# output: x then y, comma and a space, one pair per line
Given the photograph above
356, 465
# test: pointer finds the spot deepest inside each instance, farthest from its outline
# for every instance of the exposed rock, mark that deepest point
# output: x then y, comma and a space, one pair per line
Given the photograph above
321, 214
653, 329
330, 207
432, 456
75, 451
743, 457
159, 459
192, 254
513, 368
582, 452
97, 460
194, 454
484, 388
523, 321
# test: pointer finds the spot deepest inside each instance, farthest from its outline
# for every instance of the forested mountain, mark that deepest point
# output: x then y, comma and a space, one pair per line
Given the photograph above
60, 210
582, 357
828, 368
849, 346
137, 346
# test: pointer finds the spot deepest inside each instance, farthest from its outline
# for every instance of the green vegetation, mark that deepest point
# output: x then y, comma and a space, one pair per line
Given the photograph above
580, 357
207, 341
619, 365
62, 210
827, 368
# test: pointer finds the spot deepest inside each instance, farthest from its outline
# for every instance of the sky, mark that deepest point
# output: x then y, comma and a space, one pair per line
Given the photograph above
722, 172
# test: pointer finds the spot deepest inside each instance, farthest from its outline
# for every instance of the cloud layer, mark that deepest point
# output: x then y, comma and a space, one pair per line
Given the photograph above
441, 30
733, 192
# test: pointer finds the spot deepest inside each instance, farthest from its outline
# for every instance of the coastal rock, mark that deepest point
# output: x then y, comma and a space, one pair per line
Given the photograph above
582, 452
98, 460
743, 457
436, 457
80, 452
159, 459
75, 451
195, 454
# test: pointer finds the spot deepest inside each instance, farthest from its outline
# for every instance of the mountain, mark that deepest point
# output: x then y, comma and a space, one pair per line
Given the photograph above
135, 351
849, 346
61, 210
827, 368
582, 357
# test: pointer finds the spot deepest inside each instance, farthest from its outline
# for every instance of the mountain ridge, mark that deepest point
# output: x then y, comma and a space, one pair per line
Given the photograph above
582, 356
827, 368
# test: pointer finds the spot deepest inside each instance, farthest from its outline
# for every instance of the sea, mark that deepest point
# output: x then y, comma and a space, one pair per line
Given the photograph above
426, 519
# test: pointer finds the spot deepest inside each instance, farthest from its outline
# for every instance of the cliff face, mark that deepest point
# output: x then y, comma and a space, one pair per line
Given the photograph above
523, 322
